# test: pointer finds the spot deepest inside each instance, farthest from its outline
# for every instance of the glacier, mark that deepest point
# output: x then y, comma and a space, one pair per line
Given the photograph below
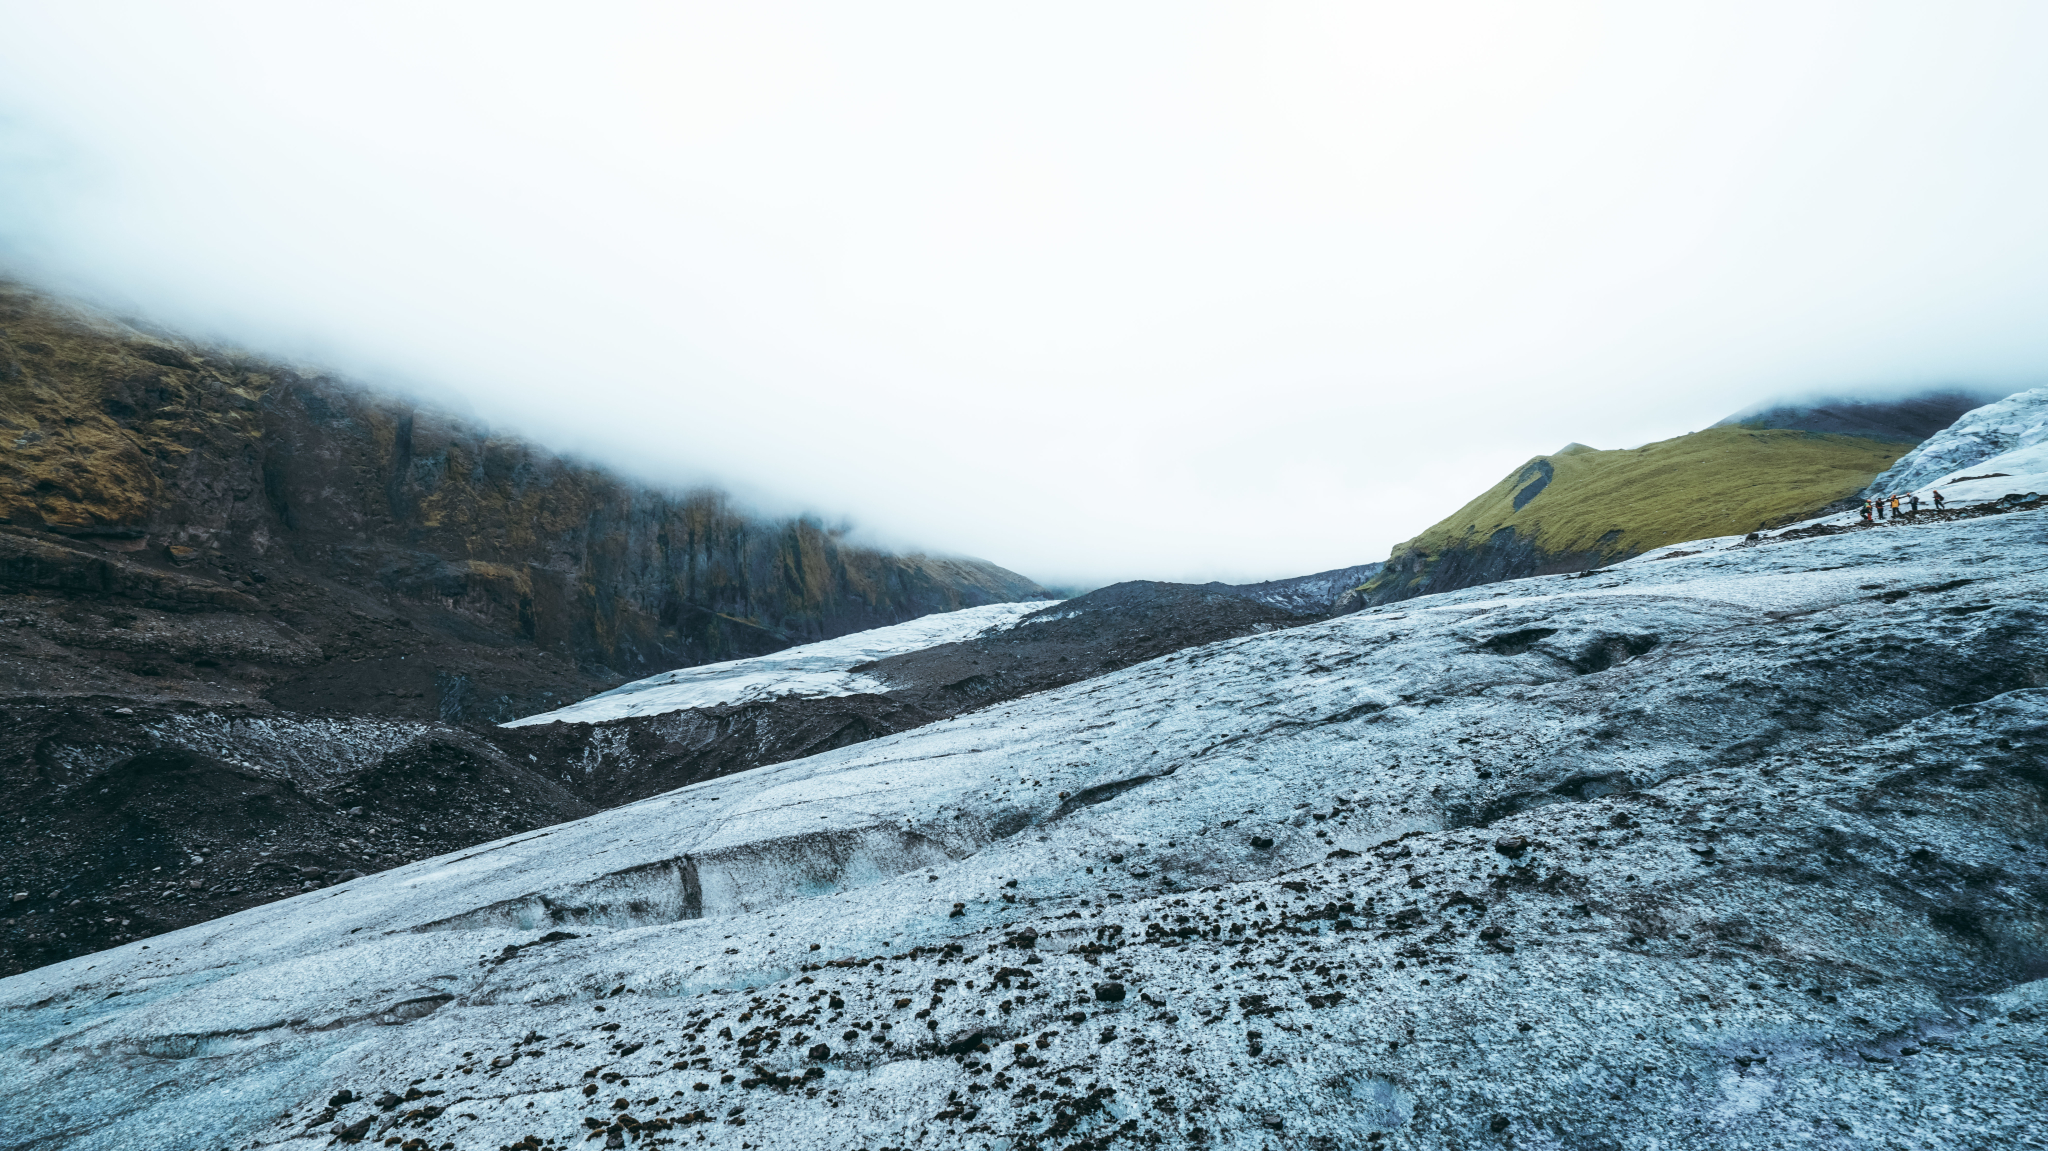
812, 670
1974, 444
1736, 847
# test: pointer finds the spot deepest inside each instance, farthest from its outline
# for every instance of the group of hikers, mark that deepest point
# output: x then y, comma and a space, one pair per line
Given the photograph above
1874, 510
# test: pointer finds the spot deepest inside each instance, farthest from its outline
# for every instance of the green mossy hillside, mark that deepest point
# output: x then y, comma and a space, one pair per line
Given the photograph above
1586, 506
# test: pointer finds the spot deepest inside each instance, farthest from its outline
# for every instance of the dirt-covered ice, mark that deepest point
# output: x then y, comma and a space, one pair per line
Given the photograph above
1746, 847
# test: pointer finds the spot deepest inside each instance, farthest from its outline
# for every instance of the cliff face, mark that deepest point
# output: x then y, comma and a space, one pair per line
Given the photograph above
1584, 508
136, 458
244, 605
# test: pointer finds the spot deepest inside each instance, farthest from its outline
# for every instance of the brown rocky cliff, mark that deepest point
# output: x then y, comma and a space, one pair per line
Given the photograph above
321, 499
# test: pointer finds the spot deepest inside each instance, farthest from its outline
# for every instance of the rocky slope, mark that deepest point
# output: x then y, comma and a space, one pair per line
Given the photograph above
1724, 850
1311, 595
334, 796
195, 538
1583, 508
139, 459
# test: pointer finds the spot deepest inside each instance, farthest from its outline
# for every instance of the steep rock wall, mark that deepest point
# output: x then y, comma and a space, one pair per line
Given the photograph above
246, 475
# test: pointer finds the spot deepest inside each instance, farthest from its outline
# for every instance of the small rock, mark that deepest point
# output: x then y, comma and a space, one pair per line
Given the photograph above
1110, 992
1262, 843
961, 1042
1511, 846
1499, 1124
820, 1053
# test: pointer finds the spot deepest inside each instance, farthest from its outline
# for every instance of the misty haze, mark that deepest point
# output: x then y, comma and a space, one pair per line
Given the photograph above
1325, 576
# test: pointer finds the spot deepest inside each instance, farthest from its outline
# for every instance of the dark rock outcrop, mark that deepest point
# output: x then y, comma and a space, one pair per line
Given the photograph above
1323, 593
160, 473
147, 819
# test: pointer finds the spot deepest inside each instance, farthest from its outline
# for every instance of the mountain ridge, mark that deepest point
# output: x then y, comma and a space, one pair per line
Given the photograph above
215, 567
1581, 507
297, 491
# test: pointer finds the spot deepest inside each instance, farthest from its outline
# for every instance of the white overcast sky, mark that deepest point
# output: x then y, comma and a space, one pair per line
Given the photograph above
1097, 291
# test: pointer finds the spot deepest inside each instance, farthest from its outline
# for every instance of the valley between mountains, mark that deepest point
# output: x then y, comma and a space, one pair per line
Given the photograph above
382, 780
1746, 847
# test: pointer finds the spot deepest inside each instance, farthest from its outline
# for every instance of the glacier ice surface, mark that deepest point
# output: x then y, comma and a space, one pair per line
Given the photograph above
1690, 853
814, 669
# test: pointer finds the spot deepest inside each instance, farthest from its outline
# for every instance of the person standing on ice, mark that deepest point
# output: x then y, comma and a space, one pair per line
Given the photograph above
1866, 511
1914, 500
1895, 507
1939, 503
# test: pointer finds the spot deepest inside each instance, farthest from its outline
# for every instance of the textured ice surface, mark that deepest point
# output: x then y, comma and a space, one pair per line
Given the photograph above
2021, 470
1712, 851
815, 669
2017, 421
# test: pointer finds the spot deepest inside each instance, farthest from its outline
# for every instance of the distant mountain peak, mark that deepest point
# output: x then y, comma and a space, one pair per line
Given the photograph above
1904, 419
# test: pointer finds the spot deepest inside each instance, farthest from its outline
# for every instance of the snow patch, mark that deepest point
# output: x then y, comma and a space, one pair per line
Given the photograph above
812, 671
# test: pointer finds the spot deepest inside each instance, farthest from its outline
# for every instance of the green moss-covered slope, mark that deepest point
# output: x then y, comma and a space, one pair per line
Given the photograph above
1583, 507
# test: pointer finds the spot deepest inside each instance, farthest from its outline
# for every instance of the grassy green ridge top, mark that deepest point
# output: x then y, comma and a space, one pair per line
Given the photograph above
1714, 482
